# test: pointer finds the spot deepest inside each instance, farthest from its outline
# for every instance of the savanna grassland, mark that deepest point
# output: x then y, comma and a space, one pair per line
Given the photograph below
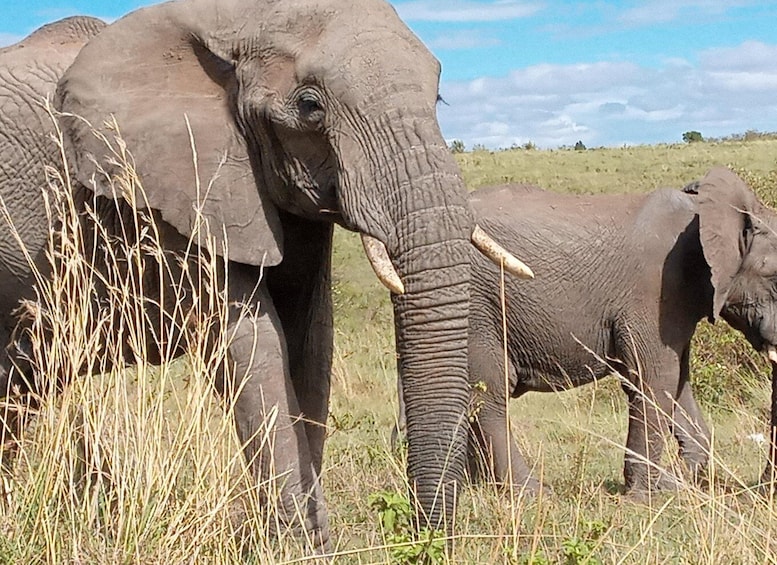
163, 481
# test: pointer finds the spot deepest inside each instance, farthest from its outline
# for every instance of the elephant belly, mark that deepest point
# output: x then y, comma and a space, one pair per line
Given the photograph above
558, 363
550, 380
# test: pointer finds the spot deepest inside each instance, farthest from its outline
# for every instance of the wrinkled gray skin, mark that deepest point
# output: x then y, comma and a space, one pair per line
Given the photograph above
29, 70
322, 111
628, 277
620, 283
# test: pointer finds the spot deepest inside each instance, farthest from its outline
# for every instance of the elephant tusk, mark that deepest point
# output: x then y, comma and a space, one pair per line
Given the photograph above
771, 353
499, 255
381, 263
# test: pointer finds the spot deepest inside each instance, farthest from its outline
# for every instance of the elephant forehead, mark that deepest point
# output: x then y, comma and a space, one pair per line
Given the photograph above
355, 41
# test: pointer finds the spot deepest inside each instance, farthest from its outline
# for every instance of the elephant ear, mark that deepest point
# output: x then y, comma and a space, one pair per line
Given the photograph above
174, 103
725, 227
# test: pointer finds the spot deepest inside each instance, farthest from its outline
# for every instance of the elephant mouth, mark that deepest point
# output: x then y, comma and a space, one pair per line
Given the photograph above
334, 216
771, 353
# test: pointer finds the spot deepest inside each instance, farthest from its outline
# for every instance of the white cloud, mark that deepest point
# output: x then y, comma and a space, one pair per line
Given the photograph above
661, 11
9, 39
465, 10
745, 81
462, 39
611, 103
750, 55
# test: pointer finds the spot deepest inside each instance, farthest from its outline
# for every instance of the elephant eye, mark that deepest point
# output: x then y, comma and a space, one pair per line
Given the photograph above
309, 107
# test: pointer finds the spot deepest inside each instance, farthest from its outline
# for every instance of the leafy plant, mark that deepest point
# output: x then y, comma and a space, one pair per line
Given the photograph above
537, 558
579, 550
394, 511
395, 516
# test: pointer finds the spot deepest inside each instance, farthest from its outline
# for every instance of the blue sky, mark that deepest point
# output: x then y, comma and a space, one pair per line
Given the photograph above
557, 71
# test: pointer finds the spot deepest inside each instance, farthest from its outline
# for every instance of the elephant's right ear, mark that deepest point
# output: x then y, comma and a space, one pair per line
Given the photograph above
725, 206
173, 100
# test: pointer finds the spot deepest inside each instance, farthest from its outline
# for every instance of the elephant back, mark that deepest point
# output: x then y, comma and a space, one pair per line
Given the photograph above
29, 71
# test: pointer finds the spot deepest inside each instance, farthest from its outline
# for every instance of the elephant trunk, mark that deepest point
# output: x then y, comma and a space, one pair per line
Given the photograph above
417, 208
431, 320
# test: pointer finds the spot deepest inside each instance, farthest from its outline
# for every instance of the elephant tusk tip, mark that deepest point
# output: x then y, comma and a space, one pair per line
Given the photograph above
521, 270
380, 261
499, 255
393, 284
397, 288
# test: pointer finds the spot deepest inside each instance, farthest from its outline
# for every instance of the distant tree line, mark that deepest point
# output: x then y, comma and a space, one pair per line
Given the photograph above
691, 136
749, 135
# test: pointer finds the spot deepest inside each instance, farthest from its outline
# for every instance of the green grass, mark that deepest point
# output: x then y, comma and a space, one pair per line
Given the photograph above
627, 169
166, 484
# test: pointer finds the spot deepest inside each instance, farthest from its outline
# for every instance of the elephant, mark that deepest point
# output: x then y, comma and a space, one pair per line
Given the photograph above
621, 282
29, 70
291, 116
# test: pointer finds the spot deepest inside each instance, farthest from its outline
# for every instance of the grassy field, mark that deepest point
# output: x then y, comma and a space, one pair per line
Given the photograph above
165, 483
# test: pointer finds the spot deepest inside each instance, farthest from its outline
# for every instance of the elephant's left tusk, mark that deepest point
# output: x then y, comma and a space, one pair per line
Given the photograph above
771, 353
381, 263
499, 255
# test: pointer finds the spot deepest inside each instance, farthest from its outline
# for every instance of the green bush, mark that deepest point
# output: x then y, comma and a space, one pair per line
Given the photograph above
457, 146
725, 370
692, 137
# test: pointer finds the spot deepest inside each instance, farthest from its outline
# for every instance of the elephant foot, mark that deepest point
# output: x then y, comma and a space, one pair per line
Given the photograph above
534, 487
642, 489
316, 540
668, 483
528, 487
767, 485
696, 467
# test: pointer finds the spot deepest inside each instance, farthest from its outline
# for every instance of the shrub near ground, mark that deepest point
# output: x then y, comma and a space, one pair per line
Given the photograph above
574, 437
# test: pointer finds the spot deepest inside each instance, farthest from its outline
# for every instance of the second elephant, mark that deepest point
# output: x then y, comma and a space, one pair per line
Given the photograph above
621, 283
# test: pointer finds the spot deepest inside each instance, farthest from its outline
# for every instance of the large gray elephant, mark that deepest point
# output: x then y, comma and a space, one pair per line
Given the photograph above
303, 113
621, 283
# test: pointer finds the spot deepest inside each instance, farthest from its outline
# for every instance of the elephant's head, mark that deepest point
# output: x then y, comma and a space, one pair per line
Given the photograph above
739, 239
322, 108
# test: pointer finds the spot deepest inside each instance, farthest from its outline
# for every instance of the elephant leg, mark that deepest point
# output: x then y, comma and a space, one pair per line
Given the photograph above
17, 405
267, 414
311, 381
688, 426
310, 352
769, 475
496, 452
650, 409
300, 288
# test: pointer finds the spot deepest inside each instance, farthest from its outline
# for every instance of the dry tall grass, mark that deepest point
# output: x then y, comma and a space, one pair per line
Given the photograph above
138, 464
